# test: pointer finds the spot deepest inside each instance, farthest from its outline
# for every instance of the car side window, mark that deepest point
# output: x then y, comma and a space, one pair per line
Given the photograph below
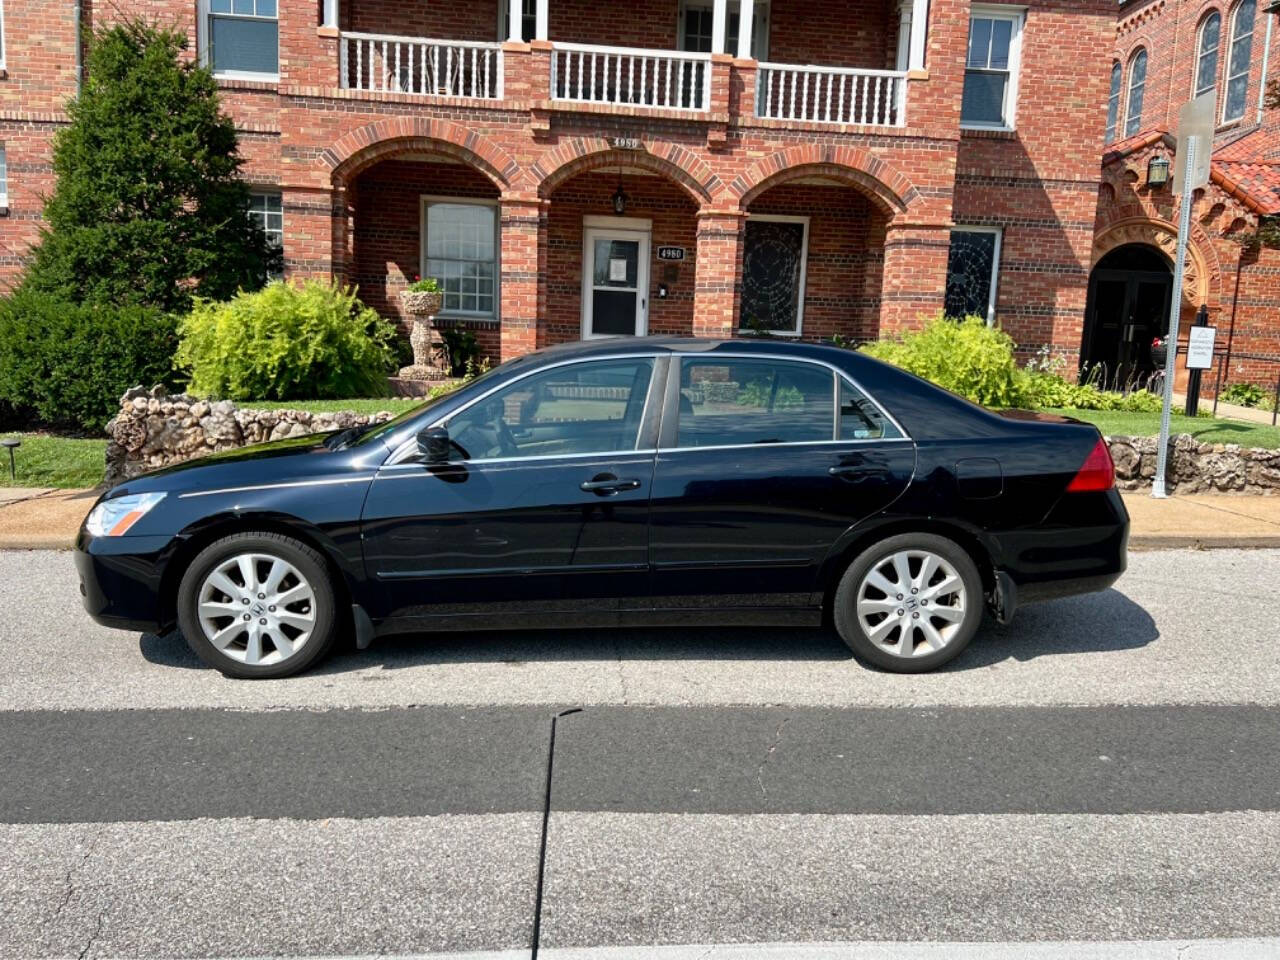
860, 419
731, 402
587, 407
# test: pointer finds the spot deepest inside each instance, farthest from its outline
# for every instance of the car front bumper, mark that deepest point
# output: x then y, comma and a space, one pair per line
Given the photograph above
120, 580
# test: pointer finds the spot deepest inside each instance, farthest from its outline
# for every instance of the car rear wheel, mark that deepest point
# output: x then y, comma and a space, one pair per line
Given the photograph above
909, 603
257, 605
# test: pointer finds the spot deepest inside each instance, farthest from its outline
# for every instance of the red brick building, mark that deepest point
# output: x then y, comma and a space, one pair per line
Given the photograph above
1166, 53
590, 167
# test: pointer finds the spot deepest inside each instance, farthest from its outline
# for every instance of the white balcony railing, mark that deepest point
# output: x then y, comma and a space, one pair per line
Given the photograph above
831, 95
443, 68
624, 76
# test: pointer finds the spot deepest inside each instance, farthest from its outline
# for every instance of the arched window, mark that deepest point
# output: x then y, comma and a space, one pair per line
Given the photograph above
1137, 85
1241, 59
1207, 60
1113, 103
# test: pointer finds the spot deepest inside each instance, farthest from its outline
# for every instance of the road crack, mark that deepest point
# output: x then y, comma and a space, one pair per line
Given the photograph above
622, 673
97, 929
68, 881
764, 762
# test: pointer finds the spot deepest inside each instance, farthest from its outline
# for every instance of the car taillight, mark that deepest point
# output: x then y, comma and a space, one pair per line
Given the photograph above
1098, 472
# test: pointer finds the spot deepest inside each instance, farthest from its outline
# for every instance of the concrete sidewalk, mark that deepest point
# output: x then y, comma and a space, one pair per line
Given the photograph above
43, 519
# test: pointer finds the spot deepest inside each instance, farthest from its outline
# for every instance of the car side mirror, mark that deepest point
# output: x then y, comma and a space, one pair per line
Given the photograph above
434, 445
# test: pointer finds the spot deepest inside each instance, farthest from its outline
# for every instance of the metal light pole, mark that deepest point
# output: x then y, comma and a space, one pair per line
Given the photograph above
1175, 309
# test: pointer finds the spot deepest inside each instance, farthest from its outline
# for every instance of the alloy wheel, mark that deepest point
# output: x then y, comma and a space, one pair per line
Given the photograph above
256, 609
911, 603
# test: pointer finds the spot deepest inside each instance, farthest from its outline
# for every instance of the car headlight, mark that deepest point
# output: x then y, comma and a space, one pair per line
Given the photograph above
113, 518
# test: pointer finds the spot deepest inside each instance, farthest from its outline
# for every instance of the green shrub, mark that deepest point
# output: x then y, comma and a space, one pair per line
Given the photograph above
286, 342
1244, 394
66, 365
964, 356
1050, 390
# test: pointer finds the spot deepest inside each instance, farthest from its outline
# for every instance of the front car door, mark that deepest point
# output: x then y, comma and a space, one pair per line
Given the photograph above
763, 463
545, 503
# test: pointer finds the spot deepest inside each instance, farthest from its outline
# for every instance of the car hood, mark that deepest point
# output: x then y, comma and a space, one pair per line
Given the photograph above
277, 461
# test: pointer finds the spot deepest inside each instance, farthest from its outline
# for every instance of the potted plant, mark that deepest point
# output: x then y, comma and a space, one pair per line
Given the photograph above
422, 298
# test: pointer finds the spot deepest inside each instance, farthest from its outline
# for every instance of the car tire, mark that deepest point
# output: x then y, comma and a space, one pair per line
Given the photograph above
873, 609
237, 629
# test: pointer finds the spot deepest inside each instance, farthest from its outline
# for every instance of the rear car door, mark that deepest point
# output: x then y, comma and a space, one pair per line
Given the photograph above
545, 503
762, 464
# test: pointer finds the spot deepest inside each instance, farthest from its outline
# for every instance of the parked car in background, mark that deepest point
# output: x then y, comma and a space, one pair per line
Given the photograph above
615, 482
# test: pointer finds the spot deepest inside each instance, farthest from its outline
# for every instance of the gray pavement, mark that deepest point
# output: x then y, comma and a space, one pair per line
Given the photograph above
1180, 627
1096, 780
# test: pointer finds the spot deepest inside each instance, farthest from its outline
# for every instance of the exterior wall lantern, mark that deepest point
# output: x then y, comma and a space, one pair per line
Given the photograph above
1158, 172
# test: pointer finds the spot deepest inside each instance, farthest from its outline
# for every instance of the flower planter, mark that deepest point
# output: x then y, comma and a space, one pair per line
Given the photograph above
421, 303
1159, 355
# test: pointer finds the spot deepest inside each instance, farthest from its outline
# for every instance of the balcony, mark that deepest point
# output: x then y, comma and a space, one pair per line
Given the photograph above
583, 57
442, 68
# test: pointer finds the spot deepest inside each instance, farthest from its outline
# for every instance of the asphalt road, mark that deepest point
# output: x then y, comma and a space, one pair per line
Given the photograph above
1097, 779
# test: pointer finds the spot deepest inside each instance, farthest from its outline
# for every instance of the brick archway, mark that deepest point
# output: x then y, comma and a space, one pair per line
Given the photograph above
592, 153
886, 187
376, 141
1202, 274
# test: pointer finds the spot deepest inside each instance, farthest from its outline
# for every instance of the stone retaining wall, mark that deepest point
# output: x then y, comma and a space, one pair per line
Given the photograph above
154, 430
1196, 467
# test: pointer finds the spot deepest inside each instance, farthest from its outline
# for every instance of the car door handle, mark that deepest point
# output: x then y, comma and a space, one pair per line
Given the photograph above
845, 471
608, 485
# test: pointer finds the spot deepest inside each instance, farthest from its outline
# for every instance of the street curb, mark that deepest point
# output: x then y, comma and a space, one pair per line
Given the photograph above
1177, 541
1137, 542
37, 543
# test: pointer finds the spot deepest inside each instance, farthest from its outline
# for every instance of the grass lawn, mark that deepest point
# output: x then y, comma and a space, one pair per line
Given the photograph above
45, 460
373, 405
1204, 429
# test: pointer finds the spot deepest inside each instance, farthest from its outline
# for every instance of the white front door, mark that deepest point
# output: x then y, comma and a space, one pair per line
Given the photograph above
615, 282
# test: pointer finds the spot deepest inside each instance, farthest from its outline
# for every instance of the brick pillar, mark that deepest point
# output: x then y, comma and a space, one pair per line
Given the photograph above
915, 275
718, 273
523, 287
342, 234
309, 249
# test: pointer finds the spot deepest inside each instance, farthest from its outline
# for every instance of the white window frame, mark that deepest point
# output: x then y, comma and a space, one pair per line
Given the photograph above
1228, 75
993, 294
504, 12
4, 176
4, 47
804, 272
1196, 91
270, 192
424, 202
1018, 17
203, 41
759, 26
1128, 91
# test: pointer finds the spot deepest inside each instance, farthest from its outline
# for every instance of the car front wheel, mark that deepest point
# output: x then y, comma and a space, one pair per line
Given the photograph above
257, 605
909, 603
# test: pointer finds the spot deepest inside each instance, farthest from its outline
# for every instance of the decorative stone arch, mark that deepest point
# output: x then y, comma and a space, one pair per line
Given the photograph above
367, 145
668, 160
1202, 274
873, 176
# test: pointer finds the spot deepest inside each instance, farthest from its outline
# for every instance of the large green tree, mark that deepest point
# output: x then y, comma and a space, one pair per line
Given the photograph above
149, 206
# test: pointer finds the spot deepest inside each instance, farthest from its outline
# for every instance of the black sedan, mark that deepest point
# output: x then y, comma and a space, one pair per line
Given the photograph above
618, 482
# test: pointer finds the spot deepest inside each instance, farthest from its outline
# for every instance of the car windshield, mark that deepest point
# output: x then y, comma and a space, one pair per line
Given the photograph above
394, 424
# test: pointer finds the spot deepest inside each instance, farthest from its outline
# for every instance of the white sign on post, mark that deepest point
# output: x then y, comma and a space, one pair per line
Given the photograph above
1195, 119
1200, 347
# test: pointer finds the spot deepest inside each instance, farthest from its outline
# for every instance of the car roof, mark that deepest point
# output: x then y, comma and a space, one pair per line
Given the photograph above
611, 346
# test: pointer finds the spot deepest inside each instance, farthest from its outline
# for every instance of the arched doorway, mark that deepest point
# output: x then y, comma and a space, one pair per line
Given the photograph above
1128, 307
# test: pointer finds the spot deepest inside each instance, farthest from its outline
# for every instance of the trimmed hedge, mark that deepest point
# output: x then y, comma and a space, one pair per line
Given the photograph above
65, 365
